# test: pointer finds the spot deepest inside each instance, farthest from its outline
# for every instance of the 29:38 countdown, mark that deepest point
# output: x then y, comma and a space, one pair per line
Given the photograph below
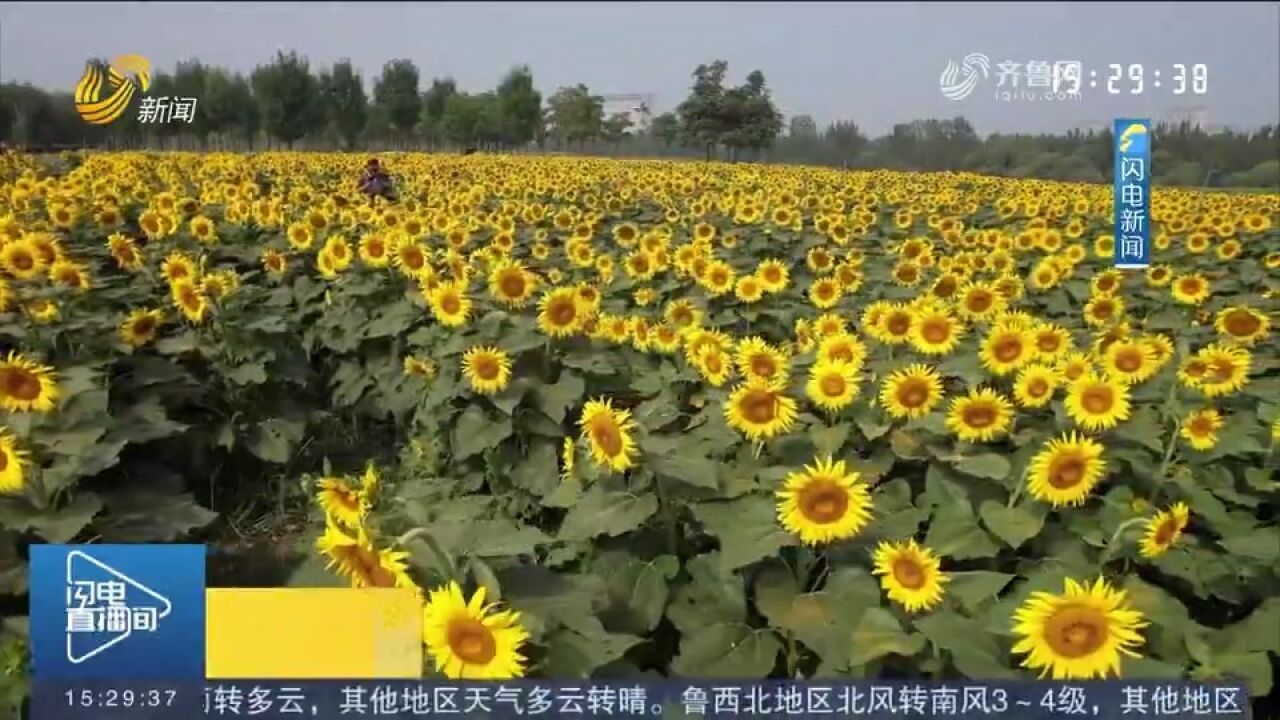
1199, 78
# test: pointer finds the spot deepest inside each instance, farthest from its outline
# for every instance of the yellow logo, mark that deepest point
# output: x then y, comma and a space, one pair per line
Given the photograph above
1127, 137
120, 88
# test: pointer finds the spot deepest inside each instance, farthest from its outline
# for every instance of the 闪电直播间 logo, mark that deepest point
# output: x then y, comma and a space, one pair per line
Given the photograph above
104, 92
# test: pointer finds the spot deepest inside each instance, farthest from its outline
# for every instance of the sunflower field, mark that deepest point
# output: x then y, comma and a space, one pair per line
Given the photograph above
687, 419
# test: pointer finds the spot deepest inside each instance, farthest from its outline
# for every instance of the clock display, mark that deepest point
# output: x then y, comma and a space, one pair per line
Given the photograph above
1134, 78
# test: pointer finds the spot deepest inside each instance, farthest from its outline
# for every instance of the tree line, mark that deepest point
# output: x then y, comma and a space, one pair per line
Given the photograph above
286, 103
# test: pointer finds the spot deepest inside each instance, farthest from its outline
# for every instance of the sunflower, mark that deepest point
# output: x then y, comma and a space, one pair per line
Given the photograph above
1200, 428
471, 640
26, 385
749, 289
980, 416
1103, 311
178, 267
826, 324
1097, 402
911, 392
488, 369
300, 236
341, 503
22, 260
1159, 275
1242, 324
1226, 369
450, 304
825, 293
274, 262
203, 229
773, 275
1190, 289
1130, 361
1007, 348
894, 326
1066, 470
608, 430
559, 312
374, 251
824, 503
1035, 385
665, 338
832, 386
512, 285
354, 556
843, 348
42, 310
13, 462
934, 331
190, 300
1164, 529
125, 252
758, 360
910, 574
1051, 341
979, 302
140, 327
714, 365
760, 410
1078, 635
424, 368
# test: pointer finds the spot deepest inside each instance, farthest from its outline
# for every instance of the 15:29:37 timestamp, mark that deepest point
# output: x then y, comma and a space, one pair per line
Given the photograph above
120, 698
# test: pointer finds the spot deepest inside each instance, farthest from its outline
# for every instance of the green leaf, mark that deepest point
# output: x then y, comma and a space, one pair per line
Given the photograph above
986, 465
1143, 428
554, 400
747, 528
877, 634
1260, 544
477, 432
604, 512
1260, 631
726, 650
683, 461
539, 470
829, 440
638, 591
973, 650
137, 516
488, 538
144, 422
1013, 525
571, 654
711, 595
872, 426
485, 578
313, 572
822, 620
954, 532
253, 373
273, 440
906, 445
59, 525
974, 588
512, 394
1253, 668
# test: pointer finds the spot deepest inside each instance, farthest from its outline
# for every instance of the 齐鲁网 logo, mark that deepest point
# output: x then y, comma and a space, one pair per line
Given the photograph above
958, 80
117, 611
101, 108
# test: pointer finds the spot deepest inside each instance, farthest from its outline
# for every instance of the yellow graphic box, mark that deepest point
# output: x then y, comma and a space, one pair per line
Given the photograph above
313, 633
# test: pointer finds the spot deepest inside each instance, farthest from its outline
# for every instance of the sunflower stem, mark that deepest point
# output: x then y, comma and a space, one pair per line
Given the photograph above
793, 655
1115, 538
670, 521
1016, 495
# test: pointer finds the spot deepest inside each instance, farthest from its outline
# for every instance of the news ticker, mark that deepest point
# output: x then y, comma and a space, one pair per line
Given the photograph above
887, 700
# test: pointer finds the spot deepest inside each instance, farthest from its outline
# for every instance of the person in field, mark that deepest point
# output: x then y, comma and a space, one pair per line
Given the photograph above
375, 182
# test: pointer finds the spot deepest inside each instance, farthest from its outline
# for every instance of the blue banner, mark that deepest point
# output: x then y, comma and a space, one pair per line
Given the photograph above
113, 611
887, 700
1132, 231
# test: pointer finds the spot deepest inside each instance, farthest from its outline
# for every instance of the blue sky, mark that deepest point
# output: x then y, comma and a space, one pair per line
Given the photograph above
874, 63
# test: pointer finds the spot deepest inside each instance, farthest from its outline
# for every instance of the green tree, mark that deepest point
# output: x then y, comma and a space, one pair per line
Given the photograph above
346, 102
286, 93
433, 106
802, 127
396, 92
846, 140
575, 115
615, 128
520, 106
750, 119
666, 127
702, 113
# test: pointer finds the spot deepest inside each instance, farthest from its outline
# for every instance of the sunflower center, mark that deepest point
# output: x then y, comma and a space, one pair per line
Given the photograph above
979, 301
22, 261
1201, 426
144, 325
1097, 400
485, 367
759, 406
907, 274
833, 385
1037, 387
1241, 324
825, 291
823, 501
1128, 360
908, 573
1066, 472
772, 275
450, 304
763, 366
935, 330
1190, 287
1102, 310
512, 284
979, 416
1165, 533
913, 393
413, 259
1007, 349
713, 363
4, 461
562, 313
899, 324
1048, 343
1106, 284
1076, 631
945, 287
1196, 369
604, 431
